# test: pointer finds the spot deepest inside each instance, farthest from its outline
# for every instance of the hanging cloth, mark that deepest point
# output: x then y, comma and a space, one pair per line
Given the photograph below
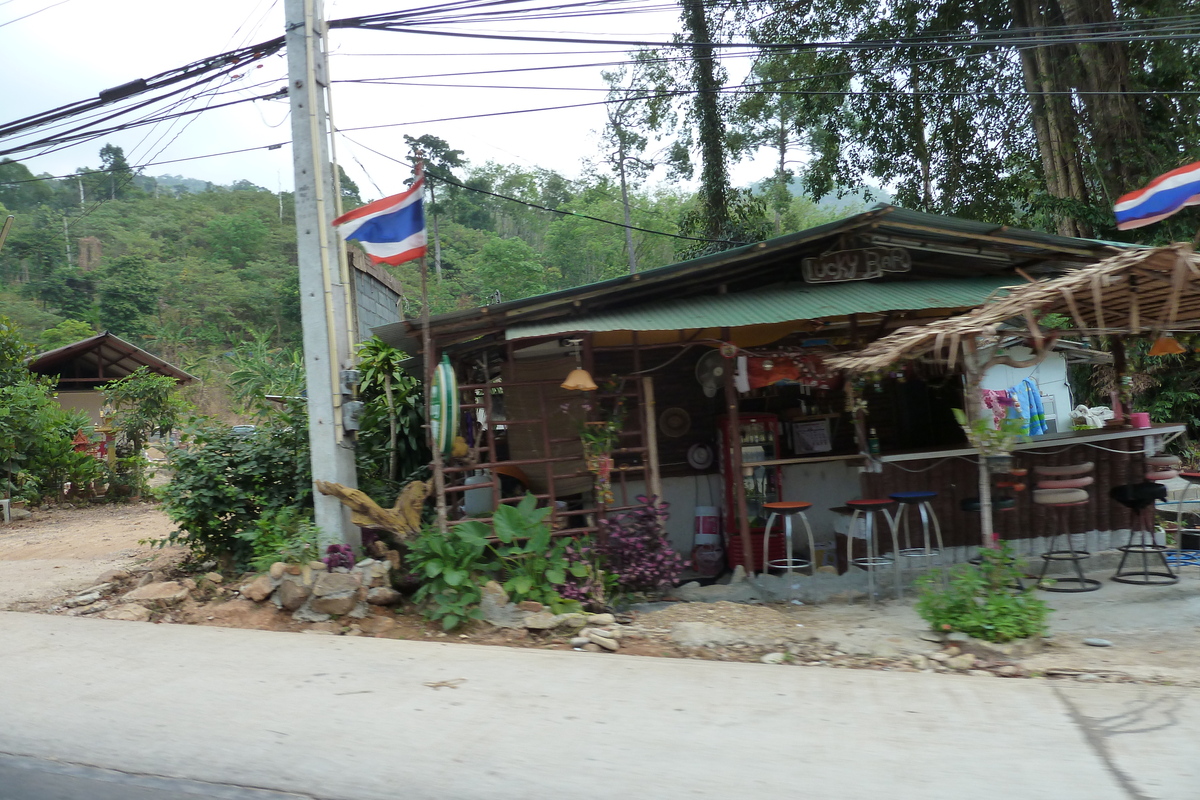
1029, 400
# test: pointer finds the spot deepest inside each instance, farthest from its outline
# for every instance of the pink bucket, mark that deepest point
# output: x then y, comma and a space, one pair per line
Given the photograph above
1139, 419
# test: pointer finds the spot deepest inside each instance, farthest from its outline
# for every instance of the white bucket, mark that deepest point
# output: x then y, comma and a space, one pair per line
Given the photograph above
708, 520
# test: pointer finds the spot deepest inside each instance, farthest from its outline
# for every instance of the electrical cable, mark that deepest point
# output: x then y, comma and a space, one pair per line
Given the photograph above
34, 13
430, 176
275, 146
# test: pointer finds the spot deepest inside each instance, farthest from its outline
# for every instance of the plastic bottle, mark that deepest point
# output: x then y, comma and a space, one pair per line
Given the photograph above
873, 444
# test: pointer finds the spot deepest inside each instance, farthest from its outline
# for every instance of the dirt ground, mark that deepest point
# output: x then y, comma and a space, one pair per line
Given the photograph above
1155, 631
64, 549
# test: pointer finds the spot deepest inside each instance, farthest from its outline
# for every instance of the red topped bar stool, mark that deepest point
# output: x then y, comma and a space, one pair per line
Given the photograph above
866, 509
1140, 499
927, 547
1062, 488
787, 510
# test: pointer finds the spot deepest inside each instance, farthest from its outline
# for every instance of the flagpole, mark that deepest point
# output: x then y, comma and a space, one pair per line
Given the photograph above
439, 477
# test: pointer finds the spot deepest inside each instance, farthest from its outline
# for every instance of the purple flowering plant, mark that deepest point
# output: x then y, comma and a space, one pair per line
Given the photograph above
339, 555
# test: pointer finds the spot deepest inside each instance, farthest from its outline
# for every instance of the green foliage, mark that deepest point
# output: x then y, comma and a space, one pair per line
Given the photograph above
126, 296
66, 332
14, 352
223, 483
258, 370
37, 455
391, 442
143, 404
517, 550
283, 534
988, 439
982, 601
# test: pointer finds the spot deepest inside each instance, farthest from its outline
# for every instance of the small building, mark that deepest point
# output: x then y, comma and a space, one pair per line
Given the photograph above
83, 369
718, 366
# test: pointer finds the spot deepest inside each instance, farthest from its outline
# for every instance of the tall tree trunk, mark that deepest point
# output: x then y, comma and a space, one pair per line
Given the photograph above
714, 178
437, 240
919, 137
625, 208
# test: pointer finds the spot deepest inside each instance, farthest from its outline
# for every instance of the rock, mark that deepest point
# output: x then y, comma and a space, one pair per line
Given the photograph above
601, 619
932, 636
1009, 671
957, 637
542, 621
305, 614
981, 673
1088, 677
366, 562
774, 658
919, 661
497, 610
593, 648
260, 588
165, 593
318, 566
605, 642
883, 650
214, 577
189, 583
599, 632
378, 624
384, 596
277, 570
574, 619
112, 575
335, 605
129, 612
16, 514
953, 651
1002, 651
335, 583
1098, 642
291, 594
359, 611
579, 641
963, 661
146, 579
99, 588
530, 605
292, 569
939, 657
82, 600
325, 627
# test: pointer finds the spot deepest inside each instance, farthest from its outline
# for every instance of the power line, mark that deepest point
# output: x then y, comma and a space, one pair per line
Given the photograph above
275, 146
431, 176
34, 13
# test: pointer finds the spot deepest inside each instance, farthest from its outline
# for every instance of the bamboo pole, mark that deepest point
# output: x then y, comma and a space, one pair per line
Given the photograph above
439, 477
734, 445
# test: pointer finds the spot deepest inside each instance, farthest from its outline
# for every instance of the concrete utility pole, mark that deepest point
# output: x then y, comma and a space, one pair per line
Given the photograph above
323, 306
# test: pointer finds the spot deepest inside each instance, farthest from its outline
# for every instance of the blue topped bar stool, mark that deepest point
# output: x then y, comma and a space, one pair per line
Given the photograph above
927, 547
866, 509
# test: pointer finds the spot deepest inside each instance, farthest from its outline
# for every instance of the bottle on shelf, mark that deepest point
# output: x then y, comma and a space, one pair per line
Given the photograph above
873, 444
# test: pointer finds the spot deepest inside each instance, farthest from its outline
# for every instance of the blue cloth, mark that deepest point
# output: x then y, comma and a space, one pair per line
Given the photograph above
1029, 399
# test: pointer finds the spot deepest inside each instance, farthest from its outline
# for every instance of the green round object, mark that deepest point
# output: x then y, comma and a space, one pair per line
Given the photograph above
443, 407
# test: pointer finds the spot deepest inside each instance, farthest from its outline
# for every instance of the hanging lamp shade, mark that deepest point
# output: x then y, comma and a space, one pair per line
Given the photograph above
580, 381
1167, 345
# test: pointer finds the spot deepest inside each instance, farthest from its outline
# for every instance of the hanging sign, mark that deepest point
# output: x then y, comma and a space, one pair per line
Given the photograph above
862, 264
443, 407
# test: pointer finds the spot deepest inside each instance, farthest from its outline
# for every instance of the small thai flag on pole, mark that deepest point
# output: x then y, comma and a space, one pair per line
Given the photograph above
391, 230
1161, 198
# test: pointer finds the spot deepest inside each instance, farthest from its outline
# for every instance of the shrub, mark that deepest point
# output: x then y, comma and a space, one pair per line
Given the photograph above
633, 546
983, 601
224, 482
284, 534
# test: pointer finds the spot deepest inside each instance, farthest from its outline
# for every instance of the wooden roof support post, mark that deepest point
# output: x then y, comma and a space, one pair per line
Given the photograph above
1117, 344
431, 361
653, 477
973, 400
735, 458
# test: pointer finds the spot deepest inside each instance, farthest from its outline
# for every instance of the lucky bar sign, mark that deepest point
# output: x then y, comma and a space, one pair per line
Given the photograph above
855, 265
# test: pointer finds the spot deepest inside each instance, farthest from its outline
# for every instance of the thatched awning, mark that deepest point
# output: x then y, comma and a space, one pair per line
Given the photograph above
1140, 291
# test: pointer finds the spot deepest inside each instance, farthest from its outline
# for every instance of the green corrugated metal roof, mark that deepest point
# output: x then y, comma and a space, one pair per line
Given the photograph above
783, 304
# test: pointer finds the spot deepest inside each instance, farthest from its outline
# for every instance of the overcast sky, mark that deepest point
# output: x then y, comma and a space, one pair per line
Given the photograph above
72, 51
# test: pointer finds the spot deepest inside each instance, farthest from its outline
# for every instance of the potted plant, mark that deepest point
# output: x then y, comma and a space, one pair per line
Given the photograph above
994, 442
600, 438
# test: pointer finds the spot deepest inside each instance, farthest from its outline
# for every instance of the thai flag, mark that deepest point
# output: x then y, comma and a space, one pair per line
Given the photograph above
391, 230
1161, 198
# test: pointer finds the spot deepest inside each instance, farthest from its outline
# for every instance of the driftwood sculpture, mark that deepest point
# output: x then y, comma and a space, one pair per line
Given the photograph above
403, 519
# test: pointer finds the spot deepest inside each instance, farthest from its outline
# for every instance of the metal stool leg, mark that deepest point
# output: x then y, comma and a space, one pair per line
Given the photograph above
767, 543
1082, 584
812, 548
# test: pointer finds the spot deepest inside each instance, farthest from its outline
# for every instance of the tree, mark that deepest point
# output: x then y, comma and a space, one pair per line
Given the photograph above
128, 295
120, 175
710, 126
351, 197
143, 404
14, 353
66, 332
512, 268
439, 161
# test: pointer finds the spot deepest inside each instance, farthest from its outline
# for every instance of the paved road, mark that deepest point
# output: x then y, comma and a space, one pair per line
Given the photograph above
93, 710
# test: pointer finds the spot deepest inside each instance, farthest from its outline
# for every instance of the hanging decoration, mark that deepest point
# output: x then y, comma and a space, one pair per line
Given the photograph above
443, 407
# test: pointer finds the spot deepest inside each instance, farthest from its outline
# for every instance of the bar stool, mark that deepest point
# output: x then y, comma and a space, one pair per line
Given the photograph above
1062, 488
873, 559
787, 510
1182, 557
926, 549
1140, 499
1002, 503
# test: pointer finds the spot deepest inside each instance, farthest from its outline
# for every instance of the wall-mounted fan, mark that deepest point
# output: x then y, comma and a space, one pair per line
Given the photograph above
710, 372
